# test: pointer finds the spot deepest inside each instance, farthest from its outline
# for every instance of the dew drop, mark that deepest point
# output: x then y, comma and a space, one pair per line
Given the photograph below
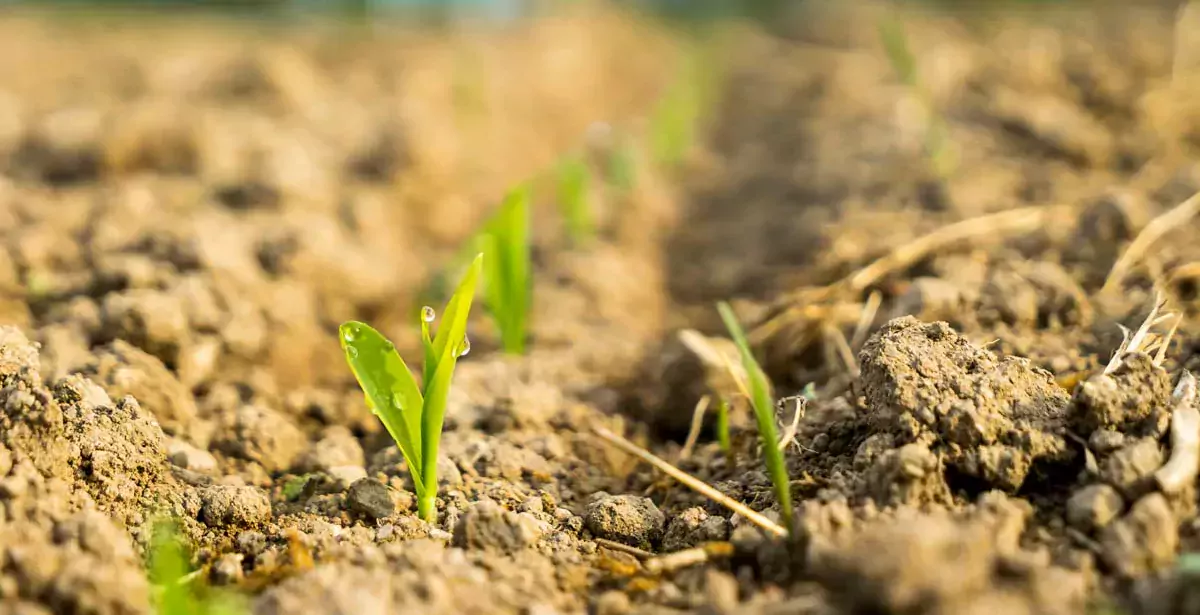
465, 348
396, 401
388, 347
427, 314
352, 351
350, 333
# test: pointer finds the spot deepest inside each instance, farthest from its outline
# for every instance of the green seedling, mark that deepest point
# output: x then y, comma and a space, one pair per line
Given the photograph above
170, 574
723, 425
574, 199
507, 285
904, 63
764, 414
621, 167
412, 414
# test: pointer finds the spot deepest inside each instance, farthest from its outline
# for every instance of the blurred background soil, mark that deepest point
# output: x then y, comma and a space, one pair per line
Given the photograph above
190, 204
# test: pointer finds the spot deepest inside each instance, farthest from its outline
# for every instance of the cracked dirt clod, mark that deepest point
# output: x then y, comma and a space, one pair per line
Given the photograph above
1142, 541
1093, 507
692, 527
627, 519
1131, 468
229, 505
487, 526
899, 566
1125, 400
925, 382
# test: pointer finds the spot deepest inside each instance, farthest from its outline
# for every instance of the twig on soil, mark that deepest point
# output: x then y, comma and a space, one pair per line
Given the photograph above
863, 326
1183, 466
1142, 340
789, 434
624, 548
1157, 227
1011, 221
694, 429
842, 348
688, 557
799, 303
691, 482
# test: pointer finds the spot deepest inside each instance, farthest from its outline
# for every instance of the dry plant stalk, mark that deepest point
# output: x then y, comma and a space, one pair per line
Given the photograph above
1164, 223
691, 482
1183, 466
688, 557
1144, 340
622, 547
822, 303
694, 428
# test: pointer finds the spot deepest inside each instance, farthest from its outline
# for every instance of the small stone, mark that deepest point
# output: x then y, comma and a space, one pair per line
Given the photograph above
1130, 468
1093, 507
251, 542
222, 505
1143, 541
344, 476
1105, 441
627, 519
184, 455
371, 498
533, 504
612, 602
488, 526
337, 448
227, 570
692, 527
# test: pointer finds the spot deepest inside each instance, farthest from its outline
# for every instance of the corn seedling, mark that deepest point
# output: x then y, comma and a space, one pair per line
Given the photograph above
169, 573
622, 165
723, 425
574, 199
895, 45
764, 413
507, 285
412, 414
676, 119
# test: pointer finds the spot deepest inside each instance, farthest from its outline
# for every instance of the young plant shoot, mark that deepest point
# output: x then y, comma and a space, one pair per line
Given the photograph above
573, 185
764, 414
507, 286
169, 573
413, 414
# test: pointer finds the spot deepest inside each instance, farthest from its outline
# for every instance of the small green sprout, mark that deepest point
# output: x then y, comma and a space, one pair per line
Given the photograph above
723, 425
507, 285
574, 199
764, 414
412, 414
621, 168
168, 571
895, 45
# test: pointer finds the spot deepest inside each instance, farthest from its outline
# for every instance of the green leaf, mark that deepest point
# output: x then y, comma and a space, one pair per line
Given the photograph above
573, 180
168, 565
390, 387
764, 414
453, 334
506, 284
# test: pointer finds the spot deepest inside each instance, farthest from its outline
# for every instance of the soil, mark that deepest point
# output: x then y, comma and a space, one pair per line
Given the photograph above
188, 209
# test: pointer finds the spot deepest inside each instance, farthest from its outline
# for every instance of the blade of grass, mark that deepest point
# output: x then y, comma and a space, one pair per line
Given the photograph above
573, 183
506, 284
764, 414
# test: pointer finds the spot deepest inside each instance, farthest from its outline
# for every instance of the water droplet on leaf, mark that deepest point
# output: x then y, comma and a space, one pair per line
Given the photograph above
465, 348
352, 351
350, 332
396, 401
427, 314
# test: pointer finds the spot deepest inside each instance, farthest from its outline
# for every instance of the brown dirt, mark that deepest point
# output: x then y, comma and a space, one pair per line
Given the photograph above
187, 211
